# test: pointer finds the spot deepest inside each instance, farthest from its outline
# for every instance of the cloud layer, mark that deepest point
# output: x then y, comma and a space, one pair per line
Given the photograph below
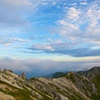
40, 67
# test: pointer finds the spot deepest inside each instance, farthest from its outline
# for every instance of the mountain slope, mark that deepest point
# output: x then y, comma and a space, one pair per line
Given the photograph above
82, 85
58, 74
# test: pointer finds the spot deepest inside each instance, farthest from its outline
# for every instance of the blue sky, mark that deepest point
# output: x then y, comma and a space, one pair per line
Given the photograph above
51, 35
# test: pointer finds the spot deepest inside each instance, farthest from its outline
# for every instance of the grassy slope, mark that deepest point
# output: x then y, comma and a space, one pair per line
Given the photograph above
18, 94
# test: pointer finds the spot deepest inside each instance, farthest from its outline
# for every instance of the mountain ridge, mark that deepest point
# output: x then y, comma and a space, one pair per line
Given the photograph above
72, 86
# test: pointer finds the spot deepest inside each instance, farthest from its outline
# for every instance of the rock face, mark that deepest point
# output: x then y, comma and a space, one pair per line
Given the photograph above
83, 85
59, 96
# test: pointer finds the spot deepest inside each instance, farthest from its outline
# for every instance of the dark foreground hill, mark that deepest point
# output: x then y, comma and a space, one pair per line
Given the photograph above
83, 85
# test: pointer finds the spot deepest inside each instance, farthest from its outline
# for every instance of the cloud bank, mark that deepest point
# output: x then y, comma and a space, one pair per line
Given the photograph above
41, 67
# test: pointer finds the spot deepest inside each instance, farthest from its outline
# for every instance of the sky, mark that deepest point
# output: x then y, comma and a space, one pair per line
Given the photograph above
45, 36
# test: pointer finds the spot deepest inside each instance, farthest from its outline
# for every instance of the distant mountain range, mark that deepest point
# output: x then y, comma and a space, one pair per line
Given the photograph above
55, 75
82, 85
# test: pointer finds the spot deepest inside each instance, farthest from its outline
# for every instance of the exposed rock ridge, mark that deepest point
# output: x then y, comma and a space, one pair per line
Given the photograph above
83, 85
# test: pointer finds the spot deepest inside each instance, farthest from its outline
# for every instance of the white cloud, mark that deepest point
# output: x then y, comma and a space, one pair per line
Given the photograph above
73, 14
15, 15
93, 15
83, 3
81, 24
17, 3
10, 41
19, 40
53, 3
43, 47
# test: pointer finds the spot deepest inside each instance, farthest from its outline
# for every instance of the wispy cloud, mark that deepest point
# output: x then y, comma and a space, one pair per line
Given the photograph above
66, 49
8, 41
